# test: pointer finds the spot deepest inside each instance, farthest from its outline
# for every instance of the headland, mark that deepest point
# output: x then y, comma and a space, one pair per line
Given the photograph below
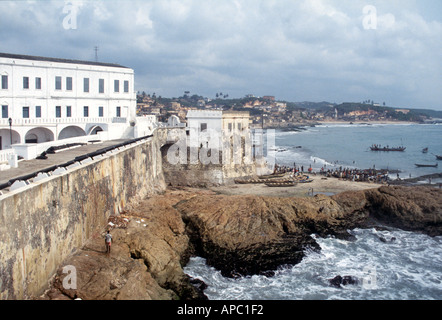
239, 229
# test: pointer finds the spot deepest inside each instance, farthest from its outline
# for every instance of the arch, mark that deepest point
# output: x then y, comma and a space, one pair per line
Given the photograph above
94, 130
39, 135
70, 132
31, 138
5, 138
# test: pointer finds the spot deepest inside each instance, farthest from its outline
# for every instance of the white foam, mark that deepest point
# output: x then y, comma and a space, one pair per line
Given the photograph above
407, 268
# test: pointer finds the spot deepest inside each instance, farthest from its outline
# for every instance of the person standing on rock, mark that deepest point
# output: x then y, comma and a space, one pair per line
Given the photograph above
108, 241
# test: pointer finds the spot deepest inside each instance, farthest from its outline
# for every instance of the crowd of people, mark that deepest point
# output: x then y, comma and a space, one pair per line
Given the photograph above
350, 174
286, 169
378, 176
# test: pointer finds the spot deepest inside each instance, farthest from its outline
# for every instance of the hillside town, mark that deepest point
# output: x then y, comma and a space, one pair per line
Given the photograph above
268, 112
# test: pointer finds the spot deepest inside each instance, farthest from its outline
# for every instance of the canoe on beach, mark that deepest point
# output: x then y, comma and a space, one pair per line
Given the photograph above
259, 181
281, 184
290, 179
305, 181
272, 176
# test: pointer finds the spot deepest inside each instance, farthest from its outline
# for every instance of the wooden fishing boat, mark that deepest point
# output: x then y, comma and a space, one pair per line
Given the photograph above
248, 181
272, 176
426, 165
281, 184
305, 181
261, 181
438, 157
379, 148
425, 150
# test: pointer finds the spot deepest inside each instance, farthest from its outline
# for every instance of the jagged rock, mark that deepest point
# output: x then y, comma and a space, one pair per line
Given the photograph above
146, 260
243, 235
345, 280
113, 277
239, 235
200, 286
412, 209
407, 208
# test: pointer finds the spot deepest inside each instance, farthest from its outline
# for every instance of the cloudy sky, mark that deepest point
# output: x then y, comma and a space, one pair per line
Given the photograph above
297, 50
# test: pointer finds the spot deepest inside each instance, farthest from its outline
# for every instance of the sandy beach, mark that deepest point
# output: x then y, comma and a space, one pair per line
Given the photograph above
320, 184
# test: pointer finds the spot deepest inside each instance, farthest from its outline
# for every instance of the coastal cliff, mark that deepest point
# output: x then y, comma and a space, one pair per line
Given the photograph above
239, 235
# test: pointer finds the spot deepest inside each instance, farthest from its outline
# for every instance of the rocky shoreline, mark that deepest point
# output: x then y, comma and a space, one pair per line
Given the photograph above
237, 234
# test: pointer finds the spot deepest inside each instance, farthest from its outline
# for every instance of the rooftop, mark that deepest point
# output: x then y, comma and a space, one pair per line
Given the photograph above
37, 58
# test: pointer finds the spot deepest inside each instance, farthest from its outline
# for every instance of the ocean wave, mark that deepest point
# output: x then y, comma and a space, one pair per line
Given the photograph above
407, 267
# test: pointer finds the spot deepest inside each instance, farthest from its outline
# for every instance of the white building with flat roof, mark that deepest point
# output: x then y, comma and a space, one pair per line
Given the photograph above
48, 99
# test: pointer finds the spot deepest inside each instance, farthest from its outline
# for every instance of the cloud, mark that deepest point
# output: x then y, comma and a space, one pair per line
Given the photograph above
296, 50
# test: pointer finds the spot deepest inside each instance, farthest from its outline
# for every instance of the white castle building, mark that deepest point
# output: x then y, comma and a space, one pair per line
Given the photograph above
48, 99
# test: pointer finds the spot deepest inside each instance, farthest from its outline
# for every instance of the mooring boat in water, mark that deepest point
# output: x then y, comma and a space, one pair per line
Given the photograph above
426, 165
425, 150
376, 147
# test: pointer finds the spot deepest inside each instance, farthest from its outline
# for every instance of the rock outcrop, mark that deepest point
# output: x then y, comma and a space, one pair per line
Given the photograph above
408, 208
412, 209
239, 235
243, 235
340, 281
146, 259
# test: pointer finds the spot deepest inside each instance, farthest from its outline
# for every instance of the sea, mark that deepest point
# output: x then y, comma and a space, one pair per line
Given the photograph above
388, 264
334, 146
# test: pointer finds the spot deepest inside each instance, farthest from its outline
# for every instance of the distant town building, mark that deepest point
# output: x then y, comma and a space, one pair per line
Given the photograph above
404, 111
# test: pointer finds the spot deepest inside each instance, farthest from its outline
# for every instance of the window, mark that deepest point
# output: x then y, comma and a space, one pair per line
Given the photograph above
68, 111
100, 111
85, 111
5, 112
230, 127
38, 83
57, 83
203, 126
38, 111
86, 85
25, 82
4, 82
116, 85
100, 85
126, 86
25, 112
69, 83
58, 111
118, 111
239, 126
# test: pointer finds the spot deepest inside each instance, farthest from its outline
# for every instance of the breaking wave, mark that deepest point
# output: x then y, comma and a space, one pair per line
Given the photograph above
390, 265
